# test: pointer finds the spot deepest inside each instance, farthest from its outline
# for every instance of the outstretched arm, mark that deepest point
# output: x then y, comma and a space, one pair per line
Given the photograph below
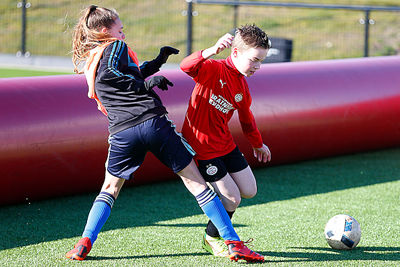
148, 68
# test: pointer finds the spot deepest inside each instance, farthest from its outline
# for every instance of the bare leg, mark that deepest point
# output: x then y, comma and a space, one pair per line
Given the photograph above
246, 182
192, 179
228, 192
231, 188
208, 201
112, 184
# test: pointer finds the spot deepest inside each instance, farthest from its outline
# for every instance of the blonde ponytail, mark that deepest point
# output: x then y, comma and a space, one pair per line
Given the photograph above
87, 33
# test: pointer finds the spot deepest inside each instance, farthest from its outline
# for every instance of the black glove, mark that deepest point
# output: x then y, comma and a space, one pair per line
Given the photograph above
159, 81
165, 52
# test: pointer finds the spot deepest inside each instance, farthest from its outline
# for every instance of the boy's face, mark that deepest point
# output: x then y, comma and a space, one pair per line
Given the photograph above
116, 30
248, 61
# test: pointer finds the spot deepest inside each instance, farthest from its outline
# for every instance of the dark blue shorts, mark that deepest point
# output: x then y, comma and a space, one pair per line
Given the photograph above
158, 135
214, 169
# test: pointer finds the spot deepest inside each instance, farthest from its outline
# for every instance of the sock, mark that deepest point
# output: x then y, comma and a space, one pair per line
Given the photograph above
215, 211
98, 215
211, 230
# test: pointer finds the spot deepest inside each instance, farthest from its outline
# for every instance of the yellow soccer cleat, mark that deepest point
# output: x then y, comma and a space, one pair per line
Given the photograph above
215, 245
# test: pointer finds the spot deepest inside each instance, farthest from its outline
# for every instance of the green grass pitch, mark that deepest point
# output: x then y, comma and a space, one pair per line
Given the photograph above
161, 224
16, 72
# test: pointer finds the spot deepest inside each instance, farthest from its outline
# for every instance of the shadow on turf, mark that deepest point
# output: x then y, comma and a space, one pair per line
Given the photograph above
102, 258
328, 254
55, 219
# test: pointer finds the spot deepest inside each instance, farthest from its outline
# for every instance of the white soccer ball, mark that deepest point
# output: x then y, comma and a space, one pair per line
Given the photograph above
342, 232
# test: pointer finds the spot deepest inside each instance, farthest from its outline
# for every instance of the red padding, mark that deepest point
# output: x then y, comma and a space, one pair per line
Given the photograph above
53, 140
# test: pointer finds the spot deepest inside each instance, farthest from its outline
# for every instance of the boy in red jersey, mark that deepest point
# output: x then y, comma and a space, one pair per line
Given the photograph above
220, 89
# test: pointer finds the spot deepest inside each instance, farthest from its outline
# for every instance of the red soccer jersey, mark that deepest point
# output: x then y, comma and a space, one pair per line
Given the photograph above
220, 90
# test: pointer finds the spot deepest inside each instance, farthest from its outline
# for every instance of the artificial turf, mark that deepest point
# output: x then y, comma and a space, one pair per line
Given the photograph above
17, 72
161, 224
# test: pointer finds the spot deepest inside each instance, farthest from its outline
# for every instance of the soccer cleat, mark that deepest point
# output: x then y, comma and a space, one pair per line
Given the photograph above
80, 250
239, 251
215, 245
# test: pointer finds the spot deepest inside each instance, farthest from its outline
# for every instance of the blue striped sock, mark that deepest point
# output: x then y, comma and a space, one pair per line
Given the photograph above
215, 211
98, 215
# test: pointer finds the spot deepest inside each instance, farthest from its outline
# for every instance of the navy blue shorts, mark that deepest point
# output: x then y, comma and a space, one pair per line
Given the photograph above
214, 169
158, 135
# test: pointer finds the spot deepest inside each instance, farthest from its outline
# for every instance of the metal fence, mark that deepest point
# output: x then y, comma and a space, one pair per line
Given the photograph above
315, 31
44, 27
48, 25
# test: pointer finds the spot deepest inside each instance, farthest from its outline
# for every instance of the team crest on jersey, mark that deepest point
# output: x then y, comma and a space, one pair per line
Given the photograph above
238, 97
211, 169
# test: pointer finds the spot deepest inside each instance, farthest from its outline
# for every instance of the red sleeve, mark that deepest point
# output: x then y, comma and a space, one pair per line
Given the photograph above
249, 126
197, 67
192, 63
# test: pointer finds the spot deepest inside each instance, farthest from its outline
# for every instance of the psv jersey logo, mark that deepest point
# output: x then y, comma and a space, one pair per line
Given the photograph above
238, 97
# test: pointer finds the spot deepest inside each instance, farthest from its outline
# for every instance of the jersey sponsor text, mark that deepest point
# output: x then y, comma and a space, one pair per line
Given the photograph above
220, 103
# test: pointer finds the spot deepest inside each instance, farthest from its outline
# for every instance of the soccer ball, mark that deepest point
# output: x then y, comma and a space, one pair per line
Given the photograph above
342, 232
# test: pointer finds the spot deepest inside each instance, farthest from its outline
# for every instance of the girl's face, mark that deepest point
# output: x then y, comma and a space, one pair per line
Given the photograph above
248, 61
115, 30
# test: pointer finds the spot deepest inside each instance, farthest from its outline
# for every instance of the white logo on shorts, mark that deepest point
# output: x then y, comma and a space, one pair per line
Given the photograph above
238, 97
211, 170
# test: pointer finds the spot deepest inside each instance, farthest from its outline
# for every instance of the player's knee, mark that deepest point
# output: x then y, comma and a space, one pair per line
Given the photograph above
249, 193
233, 202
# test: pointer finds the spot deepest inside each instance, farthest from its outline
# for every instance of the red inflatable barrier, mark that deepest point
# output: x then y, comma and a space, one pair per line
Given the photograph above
53, 140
